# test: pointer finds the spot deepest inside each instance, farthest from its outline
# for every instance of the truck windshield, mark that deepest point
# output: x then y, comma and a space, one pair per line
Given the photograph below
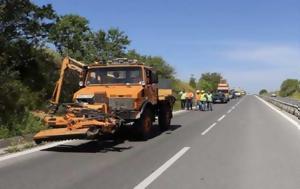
114, 75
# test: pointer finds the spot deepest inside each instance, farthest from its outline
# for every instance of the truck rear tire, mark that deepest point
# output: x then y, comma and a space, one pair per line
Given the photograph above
164, 117
144, 125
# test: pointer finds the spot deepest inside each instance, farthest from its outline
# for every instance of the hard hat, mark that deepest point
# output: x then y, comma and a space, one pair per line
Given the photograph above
197, 91
202, 91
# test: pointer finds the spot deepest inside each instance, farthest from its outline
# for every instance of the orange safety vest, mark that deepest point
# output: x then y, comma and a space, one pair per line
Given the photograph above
190, 95
198, 96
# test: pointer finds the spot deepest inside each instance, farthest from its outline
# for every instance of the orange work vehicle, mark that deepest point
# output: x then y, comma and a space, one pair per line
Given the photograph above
111, 96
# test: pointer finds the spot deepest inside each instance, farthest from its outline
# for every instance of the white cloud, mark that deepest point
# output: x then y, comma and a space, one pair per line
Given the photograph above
275, 54
248, 64
254, 80
261, 65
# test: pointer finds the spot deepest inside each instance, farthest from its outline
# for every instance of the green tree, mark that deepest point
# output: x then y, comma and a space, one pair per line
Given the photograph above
263, 91
192, 81
288, 87
26, 68
72, 36
23, 20
164, 70
209, 81
110, 44
205, 85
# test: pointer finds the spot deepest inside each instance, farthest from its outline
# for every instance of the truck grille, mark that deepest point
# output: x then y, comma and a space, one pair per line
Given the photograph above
121, 103
100, 98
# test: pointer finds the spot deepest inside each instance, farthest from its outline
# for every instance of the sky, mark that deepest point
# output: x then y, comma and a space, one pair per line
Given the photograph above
254, 44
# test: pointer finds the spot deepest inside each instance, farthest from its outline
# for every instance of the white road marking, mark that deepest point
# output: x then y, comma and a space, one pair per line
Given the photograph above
233, 107
208, 129
161, 169
179, 112
295, 123
229, 111
14, 155
222, 117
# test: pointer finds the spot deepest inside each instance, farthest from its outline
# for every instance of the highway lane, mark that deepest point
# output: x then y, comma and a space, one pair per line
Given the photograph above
250, 146
109, 165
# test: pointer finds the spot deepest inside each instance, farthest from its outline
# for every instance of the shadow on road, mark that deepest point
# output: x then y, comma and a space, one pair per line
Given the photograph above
109, 143
91, 147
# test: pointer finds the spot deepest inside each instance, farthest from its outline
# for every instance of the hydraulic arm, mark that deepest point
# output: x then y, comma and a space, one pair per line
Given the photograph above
68, 63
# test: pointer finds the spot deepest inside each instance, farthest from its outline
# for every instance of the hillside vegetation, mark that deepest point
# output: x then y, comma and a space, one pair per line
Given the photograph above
290, 88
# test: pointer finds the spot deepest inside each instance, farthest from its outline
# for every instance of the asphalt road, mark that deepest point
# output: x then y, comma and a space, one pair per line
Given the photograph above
242, 144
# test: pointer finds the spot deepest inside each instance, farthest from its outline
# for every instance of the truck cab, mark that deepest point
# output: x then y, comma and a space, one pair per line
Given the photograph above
122, 89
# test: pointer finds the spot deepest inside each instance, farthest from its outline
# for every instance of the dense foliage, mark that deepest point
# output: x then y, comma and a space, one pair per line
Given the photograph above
26, 67
289, 87
192, 81
263, 91
209, 81
164, 70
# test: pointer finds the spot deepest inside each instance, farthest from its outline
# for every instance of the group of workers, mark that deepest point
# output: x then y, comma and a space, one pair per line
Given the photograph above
202, 99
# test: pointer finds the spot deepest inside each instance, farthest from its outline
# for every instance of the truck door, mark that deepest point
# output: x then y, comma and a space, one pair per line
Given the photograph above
151, 89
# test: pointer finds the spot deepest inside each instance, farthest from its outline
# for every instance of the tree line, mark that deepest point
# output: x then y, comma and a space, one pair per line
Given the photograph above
33, 41
288, 88
207, 81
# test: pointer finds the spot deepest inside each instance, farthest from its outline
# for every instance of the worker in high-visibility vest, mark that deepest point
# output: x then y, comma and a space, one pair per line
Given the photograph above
209, 101
183, 99
190, 97
198, 97
203, 100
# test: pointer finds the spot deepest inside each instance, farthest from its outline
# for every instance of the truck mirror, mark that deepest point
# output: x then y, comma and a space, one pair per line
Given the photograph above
143, 83
80, 83
154, 78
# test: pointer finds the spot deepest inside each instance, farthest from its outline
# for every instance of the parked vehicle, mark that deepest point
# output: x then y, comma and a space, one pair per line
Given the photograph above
223, 87
219, 97
237, 94
231, 94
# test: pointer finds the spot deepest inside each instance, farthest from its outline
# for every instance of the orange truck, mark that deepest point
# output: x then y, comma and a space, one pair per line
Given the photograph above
223, 87
117, 94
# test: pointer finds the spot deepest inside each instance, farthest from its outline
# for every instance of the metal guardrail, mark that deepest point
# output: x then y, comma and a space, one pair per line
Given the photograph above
291, 108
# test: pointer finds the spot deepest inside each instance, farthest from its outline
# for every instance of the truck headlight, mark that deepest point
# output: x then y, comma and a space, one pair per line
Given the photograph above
85, 98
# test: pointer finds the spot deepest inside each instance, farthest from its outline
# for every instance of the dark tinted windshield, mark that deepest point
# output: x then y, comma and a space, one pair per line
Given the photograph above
114, 75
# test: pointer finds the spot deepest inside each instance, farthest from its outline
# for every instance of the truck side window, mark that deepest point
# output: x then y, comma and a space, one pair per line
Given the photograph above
148, 76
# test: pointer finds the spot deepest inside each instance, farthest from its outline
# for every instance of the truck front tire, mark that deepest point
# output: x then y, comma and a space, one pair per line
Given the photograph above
144, 124
164, 117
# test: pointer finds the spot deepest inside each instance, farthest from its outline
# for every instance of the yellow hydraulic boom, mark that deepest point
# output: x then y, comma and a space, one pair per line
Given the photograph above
68, 63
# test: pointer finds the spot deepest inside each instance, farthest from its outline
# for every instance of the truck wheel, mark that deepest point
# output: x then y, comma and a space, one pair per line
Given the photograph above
144, 125
38, 142
164, 117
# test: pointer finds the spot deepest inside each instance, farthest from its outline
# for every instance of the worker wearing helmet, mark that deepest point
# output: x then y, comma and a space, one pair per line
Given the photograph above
203, 100
183, 99
198, 97
209, 101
